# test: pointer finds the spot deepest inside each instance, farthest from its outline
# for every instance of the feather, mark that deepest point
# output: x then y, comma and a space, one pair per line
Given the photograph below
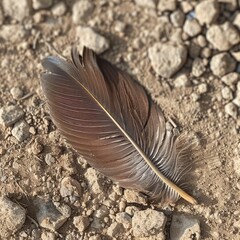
111, 121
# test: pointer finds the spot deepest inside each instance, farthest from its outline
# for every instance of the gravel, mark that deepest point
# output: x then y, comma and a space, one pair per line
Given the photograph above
88, 37
41, 4
182, 80
198, 67
21, 130
147, 223
222, 63
59, 9
81, 223
115, 230
50, 215
146, 3
184, 227
12, 33
17, 10
167, 5
10, 115
227, 93
81, 10
231, 79
16, 92
70, 187
191, 27
177, 18
223, 37
12, 217
207, 12
231, 110
167, 58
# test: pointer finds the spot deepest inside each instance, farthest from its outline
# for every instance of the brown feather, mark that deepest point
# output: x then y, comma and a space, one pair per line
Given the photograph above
111, 121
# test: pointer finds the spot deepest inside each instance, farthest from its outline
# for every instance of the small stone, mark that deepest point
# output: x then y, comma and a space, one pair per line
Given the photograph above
202, 88
236, 20
115, 229
17, 10
206, 52
124, 219
236, 165
13, 33
177, 18
198, 67
184, 227
231, 79
70, 187
236, 100
95, 180
192, 27
222, 63
16, 92
81, 10
59, 9
12, 217
101, 212
89, 38
167, 5
231, 110
10, 114
227, 93
148, 223
36, 147
95, 238
21, 130
182, 81
50, 215
186, 6
41, 4
120, 26
167, 58
81, 223
49, 159
201, 40
132, 196
46, 235
207, 11
146, 3
223, 37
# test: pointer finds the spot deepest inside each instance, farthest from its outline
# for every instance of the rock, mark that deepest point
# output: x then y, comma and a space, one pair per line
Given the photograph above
21, 130
236, 20
41, 4
194, 50
184, 227
227, 93
201, 40
132, 196
186, 6
120, 26
59, 9
49, 159
206, 52
91, 39
231, 79
167, 5
124, 219
202, 88
177, 18
12, 217
50, 215
147, 223
36, 147
231, 110
167, 58
81, 223
115, 229
207, 11
182, 81
46, 235
222, 63
101, 212
17, 10
70, 187
13, 33
81, 10
94, 180
146, 3
10, 114
16, 92
198, 67
236, 100
236, 165
223, 37
192, 27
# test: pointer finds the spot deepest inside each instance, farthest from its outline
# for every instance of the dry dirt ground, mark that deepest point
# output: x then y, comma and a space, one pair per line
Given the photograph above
35, 166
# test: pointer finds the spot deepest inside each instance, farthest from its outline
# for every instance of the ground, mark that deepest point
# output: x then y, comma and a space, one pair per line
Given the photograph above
35, 158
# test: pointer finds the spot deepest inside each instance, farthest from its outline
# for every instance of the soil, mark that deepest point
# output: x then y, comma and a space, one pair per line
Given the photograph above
24, 173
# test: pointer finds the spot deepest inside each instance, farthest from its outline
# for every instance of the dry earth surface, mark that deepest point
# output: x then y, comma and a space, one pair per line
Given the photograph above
185, 53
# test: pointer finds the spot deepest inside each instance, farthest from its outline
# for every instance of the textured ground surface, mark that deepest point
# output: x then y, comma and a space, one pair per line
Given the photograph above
199, 88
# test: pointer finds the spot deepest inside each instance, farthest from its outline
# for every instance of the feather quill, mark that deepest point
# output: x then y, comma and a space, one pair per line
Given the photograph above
111, 121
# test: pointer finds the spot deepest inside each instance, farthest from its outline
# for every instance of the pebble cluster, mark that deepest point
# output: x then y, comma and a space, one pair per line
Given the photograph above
191, 42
